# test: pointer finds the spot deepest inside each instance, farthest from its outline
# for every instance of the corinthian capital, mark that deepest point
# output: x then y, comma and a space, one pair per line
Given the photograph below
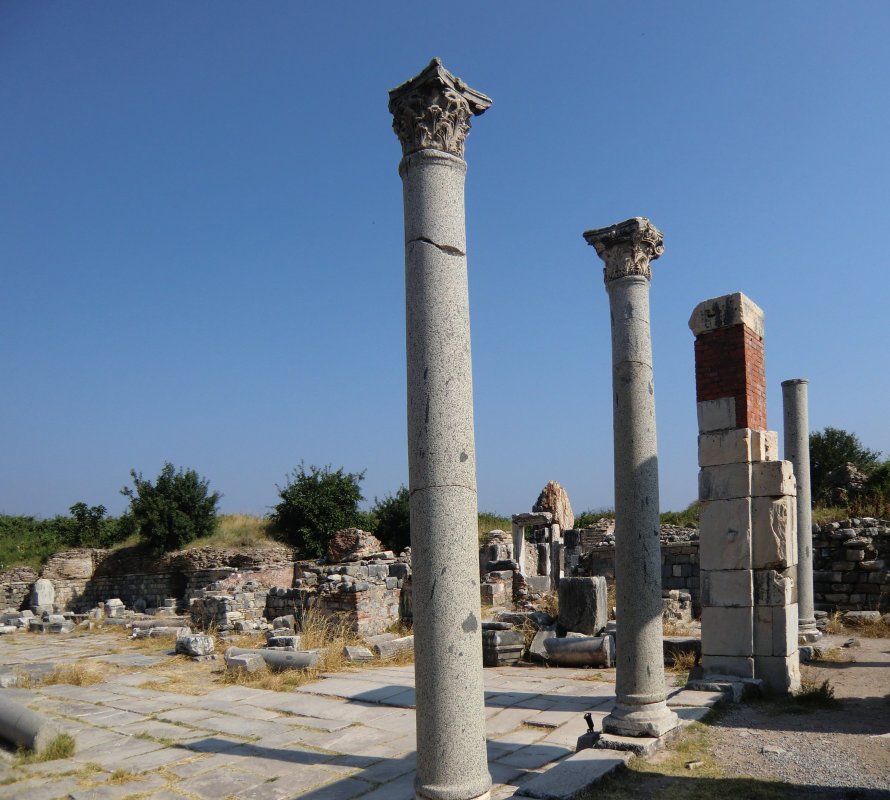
627, 247
433, 110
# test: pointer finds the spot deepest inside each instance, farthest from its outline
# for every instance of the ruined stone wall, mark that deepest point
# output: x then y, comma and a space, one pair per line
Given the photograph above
367, 596
15, 587
84, 577
850, 565
679, 565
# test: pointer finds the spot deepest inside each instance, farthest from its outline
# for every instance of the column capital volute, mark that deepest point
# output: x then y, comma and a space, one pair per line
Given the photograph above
627, 248
432, 110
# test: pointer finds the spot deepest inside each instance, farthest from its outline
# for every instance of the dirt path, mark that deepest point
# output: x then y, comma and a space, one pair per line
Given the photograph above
785, 749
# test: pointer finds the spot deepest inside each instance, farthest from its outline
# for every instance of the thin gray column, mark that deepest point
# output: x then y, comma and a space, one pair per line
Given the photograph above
431, 117
795, 407
641, 708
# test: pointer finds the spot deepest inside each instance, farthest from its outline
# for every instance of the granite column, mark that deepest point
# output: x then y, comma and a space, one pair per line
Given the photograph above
641, 709
431, 117
797, 450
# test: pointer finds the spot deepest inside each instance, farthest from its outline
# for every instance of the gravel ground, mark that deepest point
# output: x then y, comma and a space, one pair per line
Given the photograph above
828, 751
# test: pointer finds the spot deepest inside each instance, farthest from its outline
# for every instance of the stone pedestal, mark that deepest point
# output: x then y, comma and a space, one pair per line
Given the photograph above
432, 118
748, 535
640, 709
797, 450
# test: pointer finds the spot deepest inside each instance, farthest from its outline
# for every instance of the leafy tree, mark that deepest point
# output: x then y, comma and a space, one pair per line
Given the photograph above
173, 511
393, 520
316, 504
832, 448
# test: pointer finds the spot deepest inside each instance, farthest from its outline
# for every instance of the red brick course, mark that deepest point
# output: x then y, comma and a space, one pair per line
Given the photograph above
729, 363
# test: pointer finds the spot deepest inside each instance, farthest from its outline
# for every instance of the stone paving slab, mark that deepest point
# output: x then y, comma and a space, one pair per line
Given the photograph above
573, 775
345, 736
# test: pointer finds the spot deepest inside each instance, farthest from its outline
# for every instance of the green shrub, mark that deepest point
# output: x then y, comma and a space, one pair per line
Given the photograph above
687, 518
174, 510
316, 504
592, 515
833, 448
393, 520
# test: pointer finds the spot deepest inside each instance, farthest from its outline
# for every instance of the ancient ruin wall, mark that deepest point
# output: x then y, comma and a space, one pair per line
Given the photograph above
850, 565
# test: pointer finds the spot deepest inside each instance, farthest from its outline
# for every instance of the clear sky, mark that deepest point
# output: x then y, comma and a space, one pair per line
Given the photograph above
201, 240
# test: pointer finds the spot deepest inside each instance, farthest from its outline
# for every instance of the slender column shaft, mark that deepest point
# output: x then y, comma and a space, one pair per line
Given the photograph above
795, 407
640, 686
451, 753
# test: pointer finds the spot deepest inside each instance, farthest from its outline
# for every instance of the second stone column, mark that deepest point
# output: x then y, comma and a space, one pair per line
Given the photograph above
640, 709
432, 118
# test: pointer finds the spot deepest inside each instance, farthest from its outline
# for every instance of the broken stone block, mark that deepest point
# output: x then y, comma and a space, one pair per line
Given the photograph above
774, 587
727, 587
580, 651
727, 631
279, 659
501, 647
43, 595
4, 629
248, 662
195, 645
287, 621
764, 445
583, 604
357, 654
393, 647
537, 649
774, 532
291, 642
537, 584
725, 534
114, 608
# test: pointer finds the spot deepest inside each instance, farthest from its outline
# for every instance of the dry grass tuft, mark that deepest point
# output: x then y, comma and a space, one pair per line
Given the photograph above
674, 627
682, 662
834, 655
76, 674
549, 604
611, 597
238, 530
60, 747
867, 628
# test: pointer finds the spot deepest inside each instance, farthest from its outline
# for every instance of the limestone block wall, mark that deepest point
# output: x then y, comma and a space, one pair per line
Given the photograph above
15, 587
850, 565
679, 566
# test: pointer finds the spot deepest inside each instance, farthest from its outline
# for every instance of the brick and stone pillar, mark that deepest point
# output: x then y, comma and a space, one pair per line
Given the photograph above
640, 709
748, 541
797, 451
431, 117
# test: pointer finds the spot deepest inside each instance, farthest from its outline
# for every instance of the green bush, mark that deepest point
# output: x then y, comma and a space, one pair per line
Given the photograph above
687, 518
316, 504
393, 520
832, 448
173, 511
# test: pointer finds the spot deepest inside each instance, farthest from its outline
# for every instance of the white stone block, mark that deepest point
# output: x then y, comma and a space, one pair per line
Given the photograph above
727, 631
726, 482
725, 447
764, 445
724, 312
716, 415
727, 588
725, 534
774, 587
775, 630
730, 666
780, 674
774, 532
773, 479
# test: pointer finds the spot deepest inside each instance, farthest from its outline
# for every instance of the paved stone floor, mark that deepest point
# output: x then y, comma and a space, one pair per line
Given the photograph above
347, 735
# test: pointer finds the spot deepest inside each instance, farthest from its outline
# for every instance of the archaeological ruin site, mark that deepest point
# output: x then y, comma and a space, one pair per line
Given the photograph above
538, 662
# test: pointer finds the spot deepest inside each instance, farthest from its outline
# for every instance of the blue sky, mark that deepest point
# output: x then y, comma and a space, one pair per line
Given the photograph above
201, 231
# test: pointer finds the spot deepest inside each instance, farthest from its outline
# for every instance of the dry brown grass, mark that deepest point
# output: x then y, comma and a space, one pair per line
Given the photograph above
549, 604
867, 628
611, 597
674, 627
76, 674
682, 663
238, 530
834, 654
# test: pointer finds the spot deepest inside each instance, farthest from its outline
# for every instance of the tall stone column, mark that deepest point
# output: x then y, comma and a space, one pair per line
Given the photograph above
641, 709
431, 117
797, 450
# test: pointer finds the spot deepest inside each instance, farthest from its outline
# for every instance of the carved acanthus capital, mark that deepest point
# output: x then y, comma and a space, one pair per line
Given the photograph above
627, 248
433, 110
